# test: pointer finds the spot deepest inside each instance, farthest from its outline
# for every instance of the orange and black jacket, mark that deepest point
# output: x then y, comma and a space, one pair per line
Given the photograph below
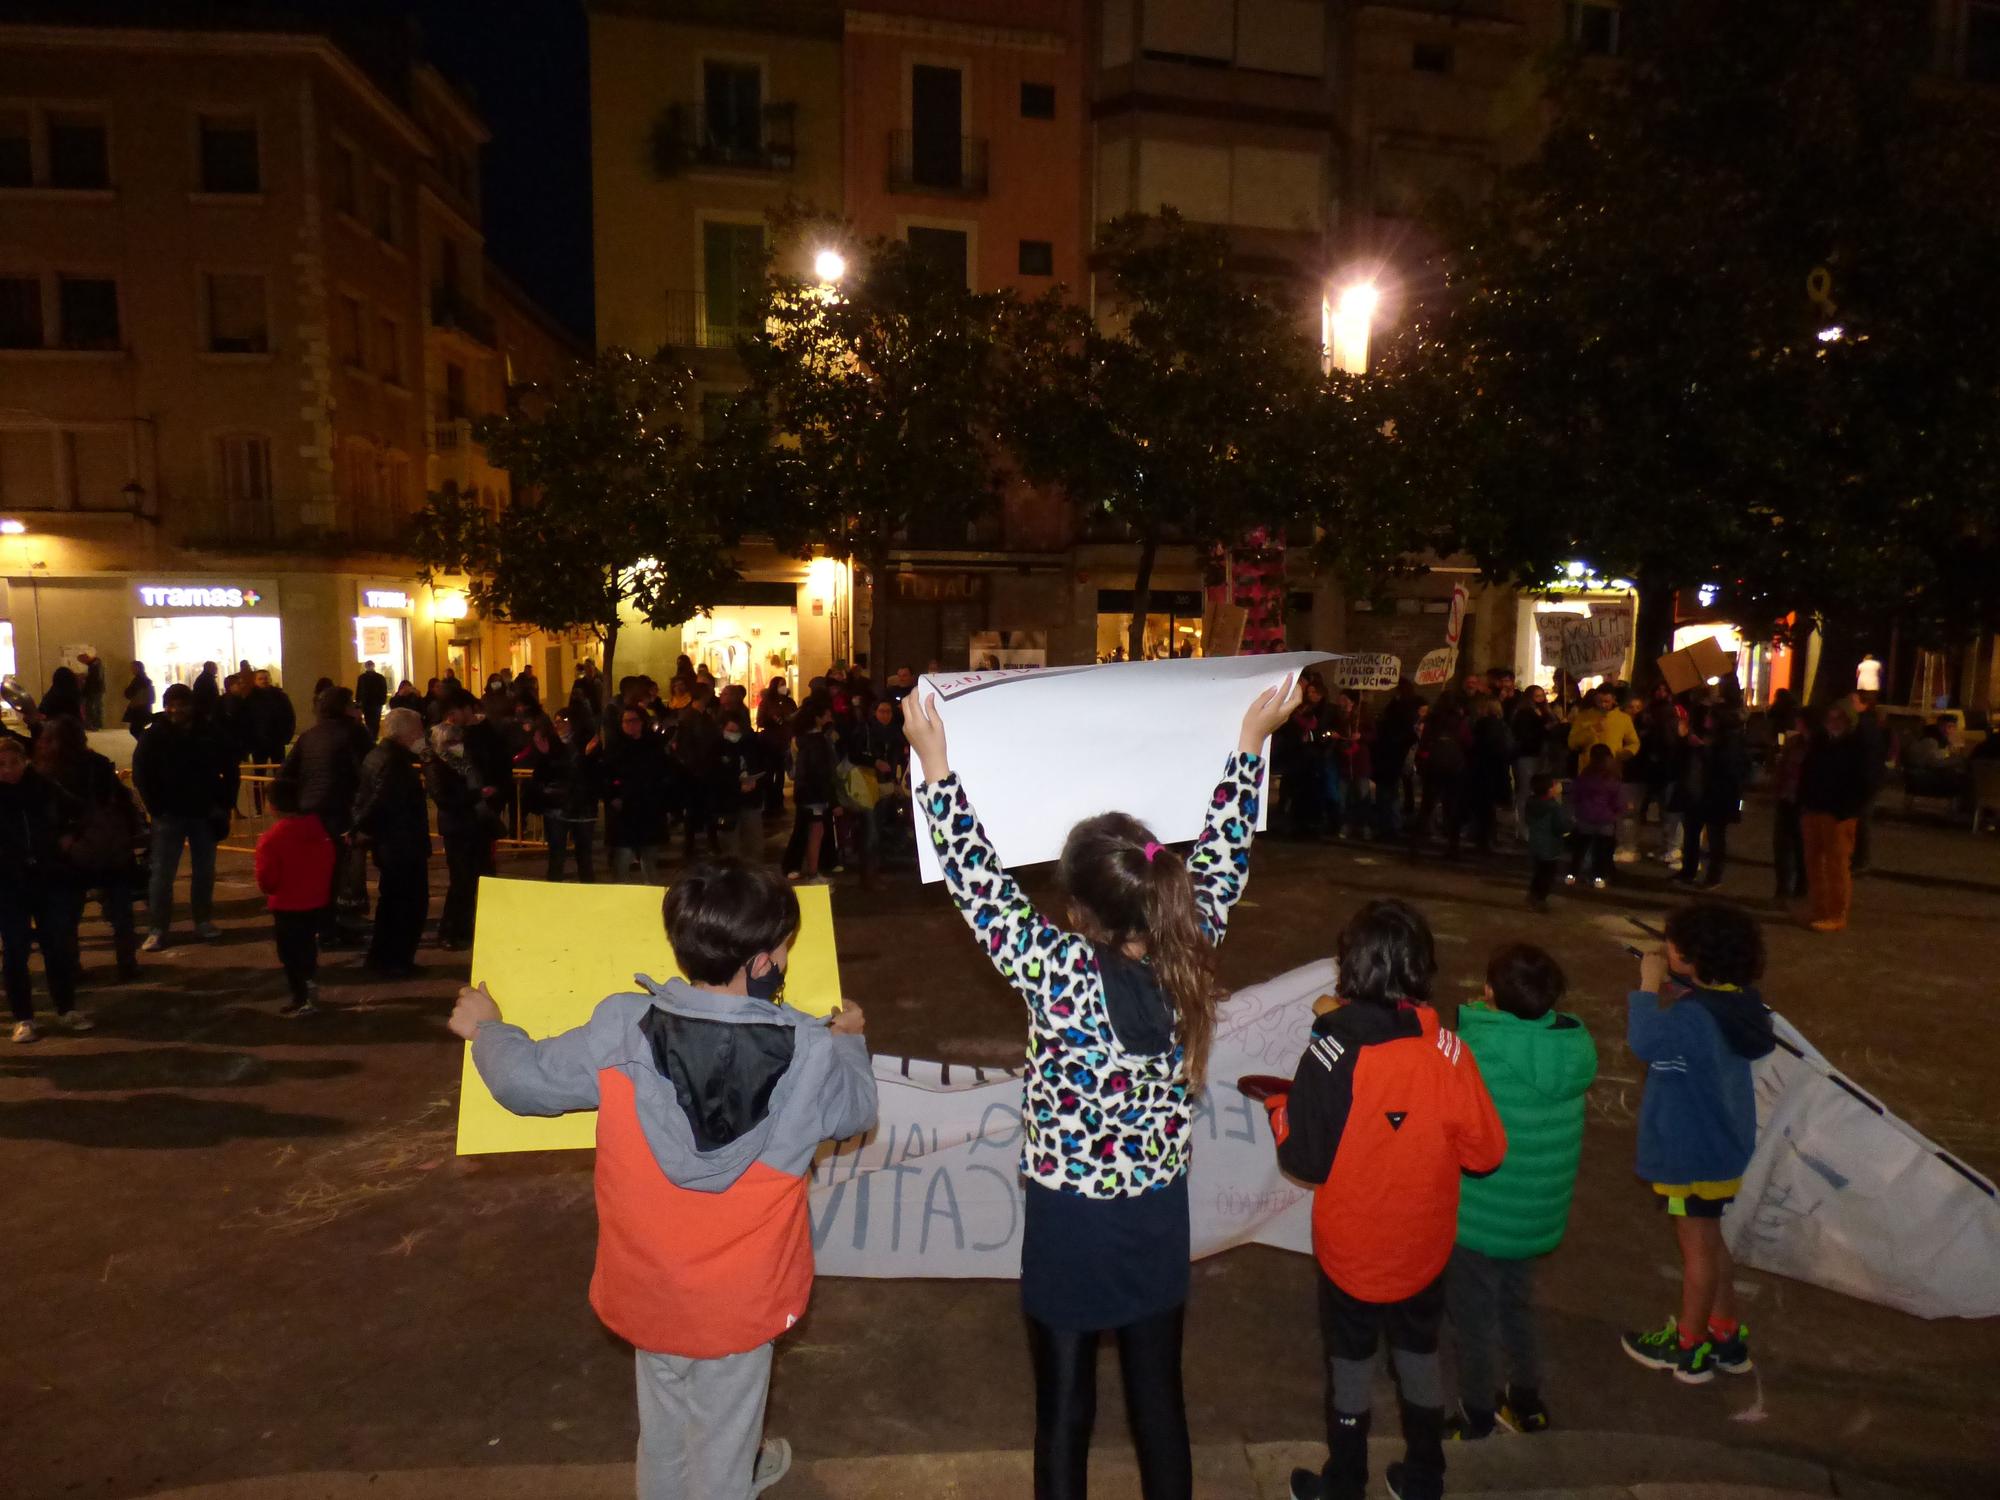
1387, 1109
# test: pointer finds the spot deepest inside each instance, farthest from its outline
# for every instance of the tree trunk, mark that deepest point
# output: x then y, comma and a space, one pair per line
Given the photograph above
1142, 596
610, 672
1652, 631
878, 615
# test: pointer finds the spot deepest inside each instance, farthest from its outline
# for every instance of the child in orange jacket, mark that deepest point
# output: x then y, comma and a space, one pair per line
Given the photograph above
1387, 1109
295, 872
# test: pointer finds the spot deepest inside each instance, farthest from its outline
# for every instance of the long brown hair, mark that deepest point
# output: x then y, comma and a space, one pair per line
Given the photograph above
1118, 894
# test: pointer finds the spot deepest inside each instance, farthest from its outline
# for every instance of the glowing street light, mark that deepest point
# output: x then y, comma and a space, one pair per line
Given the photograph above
1345, 326
829, 266
13, 528
1832, 335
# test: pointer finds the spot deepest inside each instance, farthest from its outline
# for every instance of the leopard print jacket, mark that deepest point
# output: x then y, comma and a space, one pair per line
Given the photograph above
1100, 1121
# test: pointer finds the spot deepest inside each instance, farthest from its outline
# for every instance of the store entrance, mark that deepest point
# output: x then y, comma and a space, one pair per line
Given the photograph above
173, 647
384, 640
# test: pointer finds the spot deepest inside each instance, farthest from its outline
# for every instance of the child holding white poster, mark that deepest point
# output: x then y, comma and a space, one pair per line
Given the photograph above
1121, 1013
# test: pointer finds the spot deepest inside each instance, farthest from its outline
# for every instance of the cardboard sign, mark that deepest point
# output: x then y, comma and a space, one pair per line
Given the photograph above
1596, 647
550, 953
1368, 672
1437, 667
1690, 667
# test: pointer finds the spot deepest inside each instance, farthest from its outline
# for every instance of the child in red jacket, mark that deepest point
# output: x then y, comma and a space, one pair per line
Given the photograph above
1386, 1111
295, 873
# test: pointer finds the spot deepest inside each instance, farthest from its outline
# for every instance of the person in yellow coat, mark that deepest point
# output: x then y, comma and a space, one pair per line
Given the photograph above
1604, 723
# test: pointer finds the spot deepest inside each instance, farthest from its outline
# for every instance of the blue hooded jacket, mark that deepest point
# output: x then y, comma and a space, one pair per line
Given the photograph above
1698, 1116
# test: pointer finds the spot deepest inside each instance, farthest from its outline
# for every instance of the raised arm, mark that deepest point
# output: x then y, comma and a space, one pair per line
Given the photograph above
1219, 864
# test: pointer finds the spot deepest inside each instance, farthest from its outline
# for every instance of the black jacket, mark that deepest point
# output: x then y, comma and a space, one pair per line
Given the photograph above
371, 690
96, 810
1834, 778
640, 777
389, 808
325, 763
184, 773
271, 722
462, 812
30, 832
562, 782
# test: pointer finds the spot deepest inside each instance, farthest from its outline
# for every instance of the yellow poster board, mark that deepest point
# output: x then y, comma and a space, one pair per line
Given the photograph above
549, 953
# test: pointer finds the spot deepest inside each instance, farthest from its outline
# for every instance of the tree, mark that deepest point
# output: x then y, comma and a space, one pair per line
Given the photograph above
868, 414
605, 517
1197, 414
1635, 362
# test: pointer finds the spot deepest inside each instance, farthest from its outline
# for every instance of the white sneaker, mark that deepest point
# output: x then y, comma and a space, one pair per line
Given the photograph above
75, 1020
155, 942
1569, 880
24, 1031
774, 1462
208, 932
1597, 882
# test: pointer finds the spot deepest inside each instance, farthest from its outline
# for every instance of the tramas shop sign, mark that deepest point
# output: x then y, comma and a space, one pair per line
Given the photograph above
164, 596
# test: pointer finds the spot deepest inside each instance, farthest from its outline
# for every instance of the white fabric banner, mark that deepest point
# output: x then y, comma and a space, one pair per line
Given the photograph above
1846, 1196
935, 1189
1041, 750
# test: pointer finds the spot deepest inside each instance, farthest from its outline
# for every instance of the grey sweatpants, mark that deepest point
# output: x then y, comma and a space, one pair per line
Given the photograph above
700, 1424
1492, 1301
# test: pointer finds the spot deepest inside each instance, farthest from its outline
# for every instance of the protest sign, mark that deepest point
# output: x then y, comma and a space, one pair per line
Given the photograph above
1550, 628
1692, 666
1596, 647
935, 1188
549, 953
1148, 738
1455, 620
1365, 672
1437, 667
1844, 1195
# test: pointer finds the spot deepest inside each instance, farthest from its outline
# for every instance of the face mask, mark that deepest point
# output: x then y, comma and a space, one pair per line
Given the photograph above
732, 736
769, 985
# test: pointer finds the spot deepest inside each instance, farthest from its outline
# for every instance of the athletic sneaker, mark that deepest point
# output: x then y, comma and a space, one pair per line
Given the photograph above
208, 932
1663, 1350
1569, 880
74, 1020
155, 942
1468, 1426
24, 1032
298, 1008
1597, 882
1732, 1355
774, 1462
1522, 1411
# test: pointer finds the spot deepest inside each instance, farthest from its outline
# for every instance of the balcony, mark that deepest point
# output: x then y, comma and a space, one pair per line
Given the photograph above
454, 312
941, 165
684, 139
693, 324
451, 434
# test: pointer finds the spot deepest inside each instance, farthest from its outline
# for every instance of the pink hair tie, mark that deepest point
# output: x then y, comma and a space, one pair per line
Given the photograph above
1153, 850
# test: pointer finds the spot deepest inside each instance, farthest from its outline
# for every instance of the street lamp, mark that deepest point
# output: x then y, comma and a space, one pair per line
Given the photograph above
829, 266
13, 528
1345, 325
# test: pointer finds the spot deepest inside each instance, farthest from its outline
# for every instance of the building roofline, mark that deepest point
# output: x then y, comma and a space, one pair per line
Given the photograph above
535, 313
447, 93
821, 19
300, 44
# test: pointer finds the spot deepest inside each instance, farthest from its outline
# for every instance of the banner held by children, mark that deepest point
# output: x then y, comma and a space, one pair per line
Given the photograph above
1147, 738
551, 952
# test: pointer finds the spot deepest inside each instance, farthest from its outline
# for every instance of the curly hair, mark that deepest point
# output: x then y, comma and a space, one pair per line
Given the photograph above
1722, 943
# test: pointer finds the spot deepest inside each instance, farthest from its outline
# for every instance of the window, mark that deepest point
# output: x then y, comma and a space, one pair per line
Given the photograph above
229, 154
1593, 28
454, 392
349, 332
17, 149
1038, 101
732, 106
1038, 258
88, 309
448, 266
243, 482
20, 312
346, 180
388, 225
389, 350
78, 154
395, 493
732, 278
238, 320
1431, 57
945, 250
1982, 43
937, 126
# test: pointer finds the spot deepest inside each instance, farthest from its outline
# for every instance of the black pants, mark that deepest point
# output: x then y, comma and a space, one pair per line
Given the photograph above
1595, 849
578, 836
1352, 1331
402, 902
1447, 793
1149, 1358
1788, 851
467, 856
1718, 845
829, 844
297, 933
44, 914
1543, 880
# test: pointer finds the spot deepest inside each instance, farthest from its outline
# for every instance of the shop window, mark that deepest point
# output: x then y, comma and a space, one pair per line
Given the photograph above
17, 148
1038, 101
88, 306
237, 320
79, 153
346, 180
389, 350
1431, 57
1038, 258
20, 312
243, 481
229, 154
348, 335
173, 647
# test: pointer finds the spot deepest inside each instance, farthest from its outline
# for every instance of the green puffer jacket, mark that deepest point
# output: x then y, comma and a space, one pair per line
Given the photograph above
1537, 1072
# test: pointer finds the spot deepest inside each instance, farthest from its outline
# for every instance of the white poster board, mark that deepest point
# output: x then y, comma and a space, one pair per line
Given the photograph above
1039, 750
1597, 647
1437, 667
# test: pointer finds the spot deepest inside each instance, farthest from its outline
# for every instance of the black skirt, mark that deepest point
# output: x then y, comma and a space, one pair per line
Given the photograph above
1097, 1263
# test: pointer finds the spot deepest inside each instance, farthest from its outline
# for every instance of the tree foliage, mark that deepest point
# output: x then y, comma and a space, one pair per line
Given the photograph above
607, 515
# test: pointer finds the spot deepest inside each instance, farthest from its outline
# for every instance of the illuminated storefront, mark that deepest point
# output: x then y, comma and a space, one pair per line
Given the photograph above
1173, 623
178, 624
382, 630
